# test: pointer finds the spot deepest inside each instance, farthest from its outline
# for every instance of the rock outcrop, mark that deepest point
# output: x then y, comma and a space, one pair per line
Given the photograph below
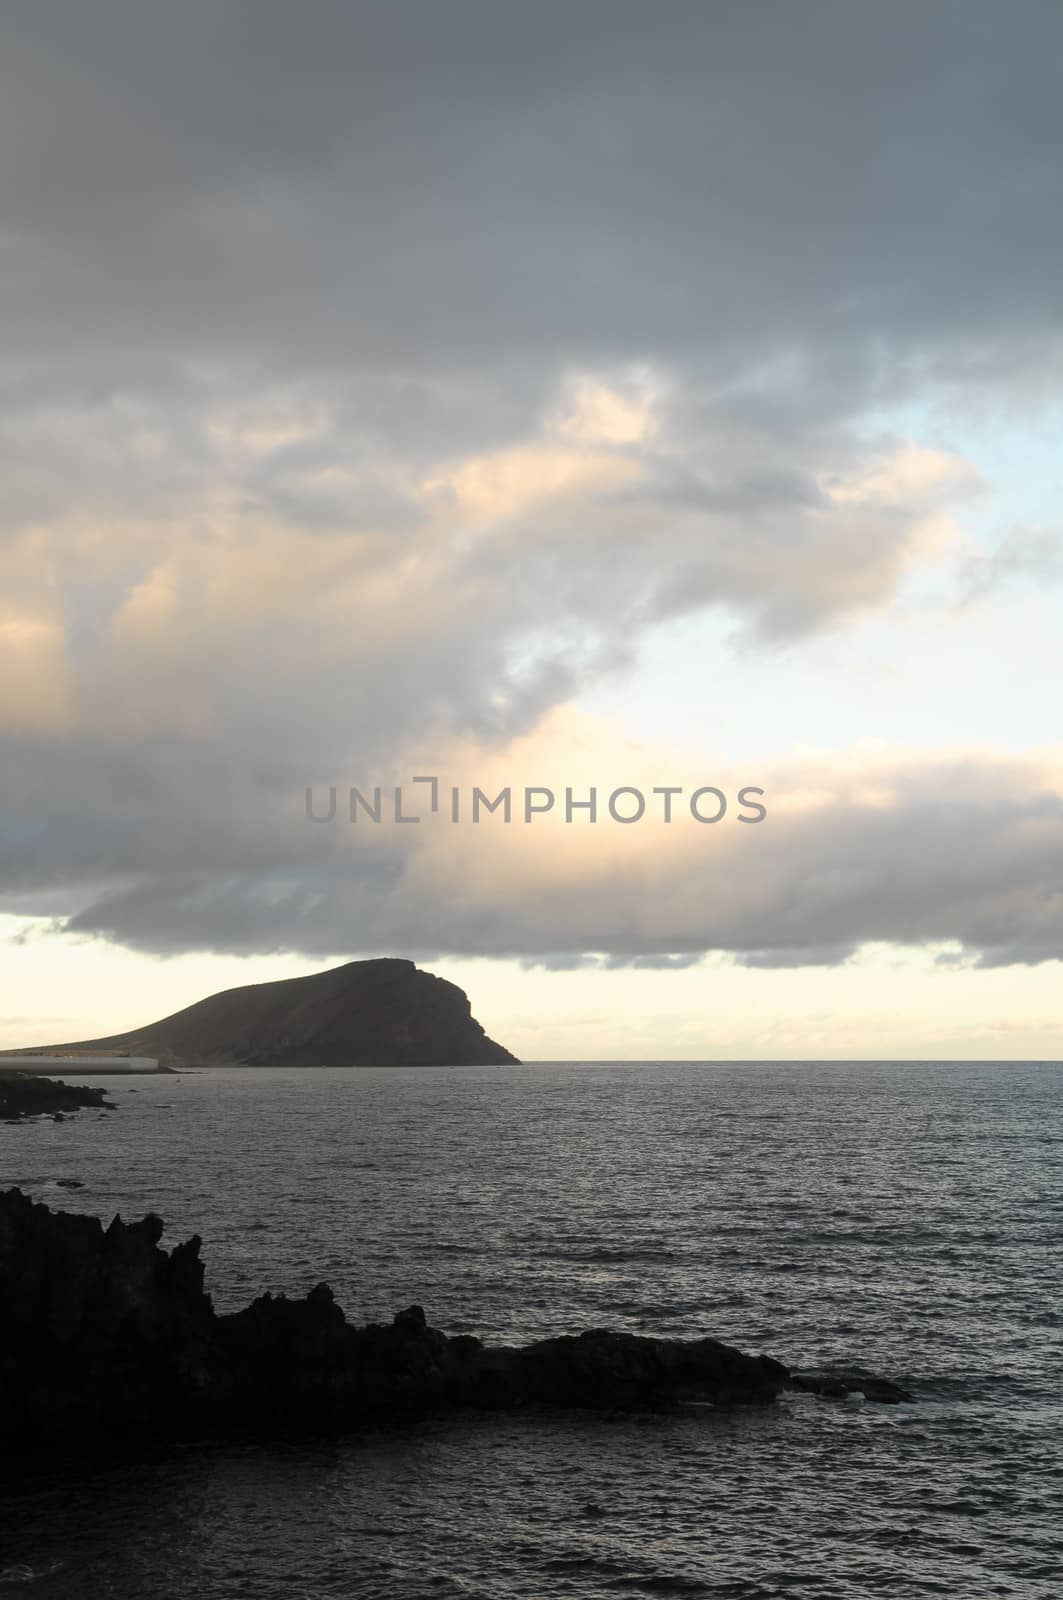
23, 1094
103, 1333
838, 1383
365, 1013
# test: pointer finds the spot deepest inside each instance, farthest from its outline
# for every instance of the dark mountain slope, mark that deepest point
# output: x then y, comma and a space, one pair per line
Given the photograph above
366, 1013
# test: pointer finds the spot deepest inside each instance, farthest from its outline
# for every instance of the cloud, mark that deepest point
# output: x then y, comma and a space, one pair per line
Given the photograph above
1031, 555
377, 378
35, 688
876, 846
436, 185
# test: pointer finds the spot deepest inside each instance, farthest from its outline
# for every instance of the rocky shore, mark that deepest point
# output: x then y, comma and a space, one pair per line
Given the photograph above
23, 1094
103, 1334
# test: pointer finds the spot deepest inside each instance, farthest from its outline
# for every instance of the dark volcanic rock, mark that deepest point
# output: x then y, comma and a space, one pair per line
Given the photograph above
101, 1330
22, 1094
603, 1368
837, 1383
366, 1013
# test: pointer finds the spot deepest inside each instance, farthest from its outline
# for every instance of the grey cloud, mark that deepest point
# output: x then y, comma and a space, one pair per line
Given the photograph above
1032, 555
967, 853
765, 490
828, 955
444, 185
649, 961
564, 962
655, 961
392, 231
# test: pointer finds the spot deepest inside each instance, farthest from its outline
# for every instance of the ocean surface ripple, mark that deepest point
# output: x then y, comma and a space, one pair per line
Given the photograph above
904, 1216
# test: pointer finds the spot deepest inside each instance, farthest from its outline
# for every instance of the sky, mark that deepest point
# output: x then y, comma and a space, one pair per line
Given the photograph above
562, 397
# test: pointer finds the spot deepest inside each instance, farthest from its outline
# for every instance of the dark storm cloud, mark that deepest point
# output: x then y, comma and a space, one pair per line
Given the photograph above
272, 274
452, 185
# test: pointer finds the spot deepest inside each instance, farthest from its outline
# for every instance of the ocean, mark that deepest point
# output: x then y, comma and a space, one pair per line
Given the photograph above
904, 1216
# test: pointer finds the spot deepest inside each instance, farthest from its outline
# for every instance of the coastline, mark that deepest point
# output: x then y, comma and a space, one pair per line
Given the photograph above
109, 1331
25, 1095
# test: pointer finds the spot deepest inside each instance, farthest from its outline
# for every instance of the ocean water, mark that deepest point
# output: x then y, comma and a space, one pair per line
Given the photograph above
908, 1217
